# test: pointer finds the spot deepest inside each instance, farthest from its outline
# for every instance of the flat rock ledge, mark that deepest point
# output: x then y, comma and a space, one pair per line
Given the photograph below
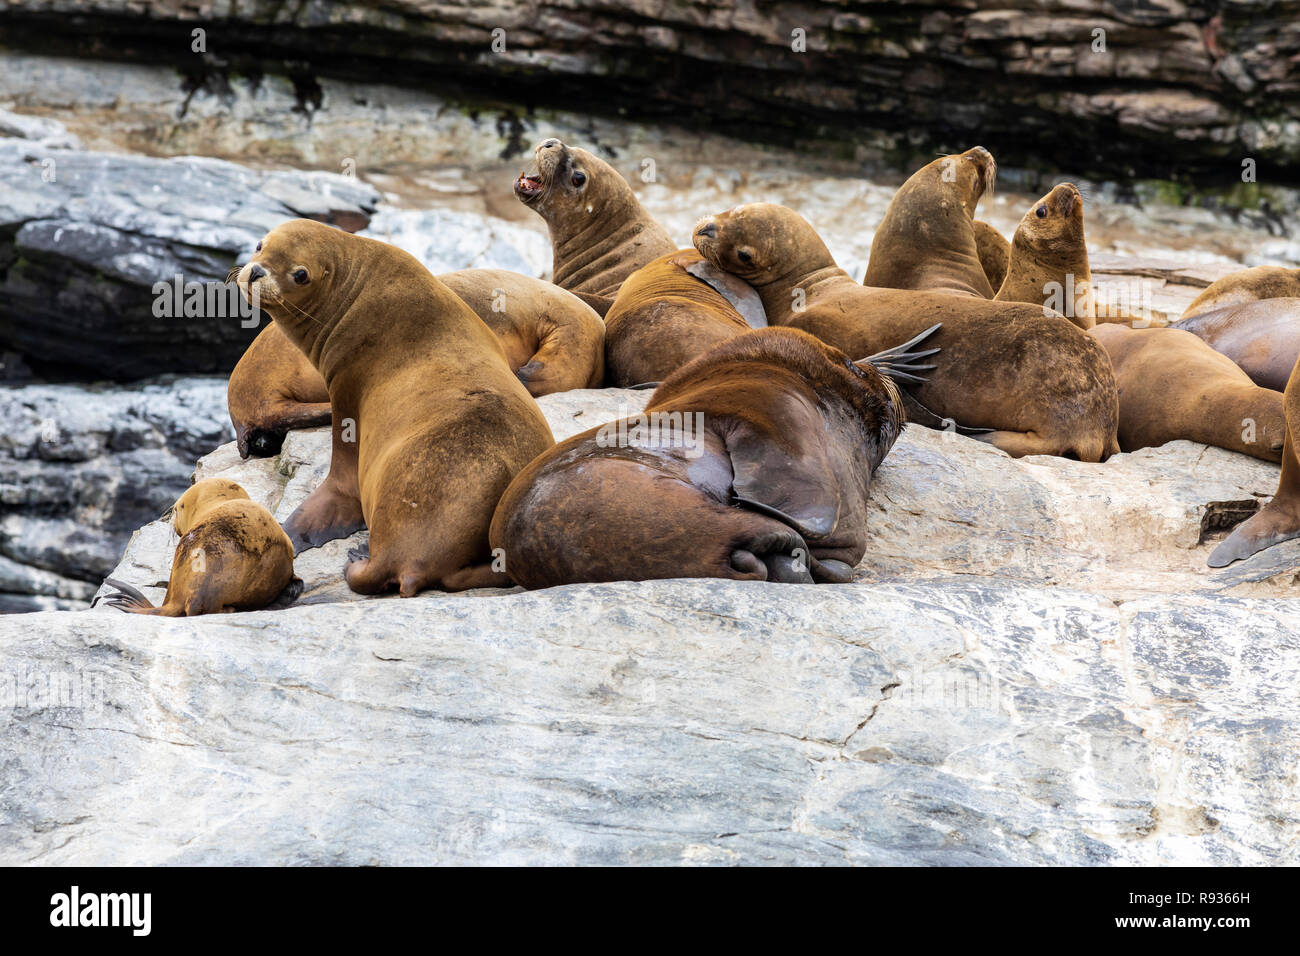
1034, 666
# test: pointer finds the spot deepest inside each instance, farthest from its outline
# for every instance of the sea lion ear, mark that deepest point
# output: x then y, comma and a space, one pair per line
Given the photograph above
787, 476
734, 289
599, 303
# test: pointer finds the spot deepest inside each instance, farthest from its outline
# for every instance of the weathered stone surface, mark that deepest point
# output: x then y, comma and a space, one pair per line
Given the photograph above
84, 238
1029, 77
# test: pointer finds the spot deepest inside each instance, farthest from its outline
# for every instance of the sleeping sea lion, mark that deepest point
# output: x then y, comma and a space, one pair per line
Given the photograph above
752, 462
1041, 385
232, 556
430, 423
1247, 285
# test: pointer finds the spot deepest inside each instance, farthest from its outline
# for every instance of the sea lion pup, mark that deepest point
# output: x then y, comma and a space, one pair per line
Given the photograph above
673, 310
1247, 285
1040, 384
552, 339
1262, 337
994, 253
1049, 258
600, 234
429, 422
1172, 385
752, 462
232, 556
926, 240
1279, 520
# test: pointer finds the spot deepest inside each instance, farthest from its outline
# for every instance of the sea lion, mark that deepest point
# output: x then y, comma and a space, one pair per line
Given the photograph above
1172, 385
1262, 337
553, 340
600, 234
752, 462
232, 556
1279, 520
674, 309
926, 240
1049, 258
994, 253
430, 424
1040, 384
1247, 285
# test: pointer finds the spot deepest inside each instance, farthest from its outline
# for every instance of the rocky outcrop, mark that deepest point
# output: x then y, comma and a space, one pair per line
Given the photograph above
1034, 666
114, 266
1040, 81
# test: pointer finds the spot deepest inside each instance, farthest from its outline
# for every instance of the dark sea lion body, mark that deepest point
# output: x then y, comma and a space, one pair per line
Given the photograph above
663, 317
232, 556
1279, 520
1039, 383
430, 423
791, 434
1172, 385
1262, 337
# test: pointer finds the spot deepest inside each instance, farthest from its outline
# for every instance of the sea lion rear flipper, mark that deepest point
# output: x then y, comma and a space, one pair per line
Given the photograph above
734, 289
899, 362
920, 415
1261, 530
599, 303
124, 597
787, 477
324, 516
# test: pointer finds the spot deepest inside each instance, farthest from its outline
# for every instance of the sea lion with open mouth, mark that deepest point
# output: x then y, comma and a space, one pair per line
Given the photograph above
430, 423
600, 234
927, 240
232, 556
553, 340
752, 462
1035, 382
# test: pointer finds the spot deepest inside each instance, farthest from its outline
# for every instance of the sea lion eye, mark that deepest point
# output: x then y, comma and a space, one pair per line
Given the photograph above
743, 256
300, 276
579, 177
1041, 212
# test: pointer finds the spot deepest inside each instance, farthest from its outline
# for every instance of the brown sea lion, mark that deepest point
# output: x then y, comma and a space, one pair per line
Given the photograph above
232, 556
600, 234
752, 462
926, 240
1262, 337
553, 340
1248, 285
1172, 385
429, 421
1049, 258
994, 252
673, 310
1040, 384
1279, 520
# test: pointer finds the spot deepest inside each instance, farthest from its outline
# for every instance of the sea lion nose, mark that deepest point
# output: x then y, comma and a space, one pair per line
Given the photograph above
550, 143
255, 273
709, 230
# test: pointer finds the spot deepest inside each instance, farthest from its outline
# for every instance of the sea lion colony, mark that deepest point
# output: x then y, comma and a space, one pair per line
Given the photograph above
780, 385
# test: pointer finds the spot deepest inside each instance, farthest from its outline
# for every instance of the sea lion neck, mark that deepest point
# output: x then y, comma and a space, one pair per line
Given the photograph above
779, 293
587, 260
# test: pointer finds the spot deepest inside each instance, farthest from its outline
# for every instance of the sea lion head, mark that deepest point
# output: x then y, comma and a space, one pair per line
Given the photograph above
1053, 226
199, 497
292, 273
963, 178
762, 243
569, 188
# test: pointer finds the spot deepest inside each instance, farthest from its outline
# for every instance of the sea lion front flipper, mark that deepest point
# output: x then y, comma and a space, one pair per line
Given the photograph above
786, 476
1261, 530
734, 289
920, 415
899, 362
325, 515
